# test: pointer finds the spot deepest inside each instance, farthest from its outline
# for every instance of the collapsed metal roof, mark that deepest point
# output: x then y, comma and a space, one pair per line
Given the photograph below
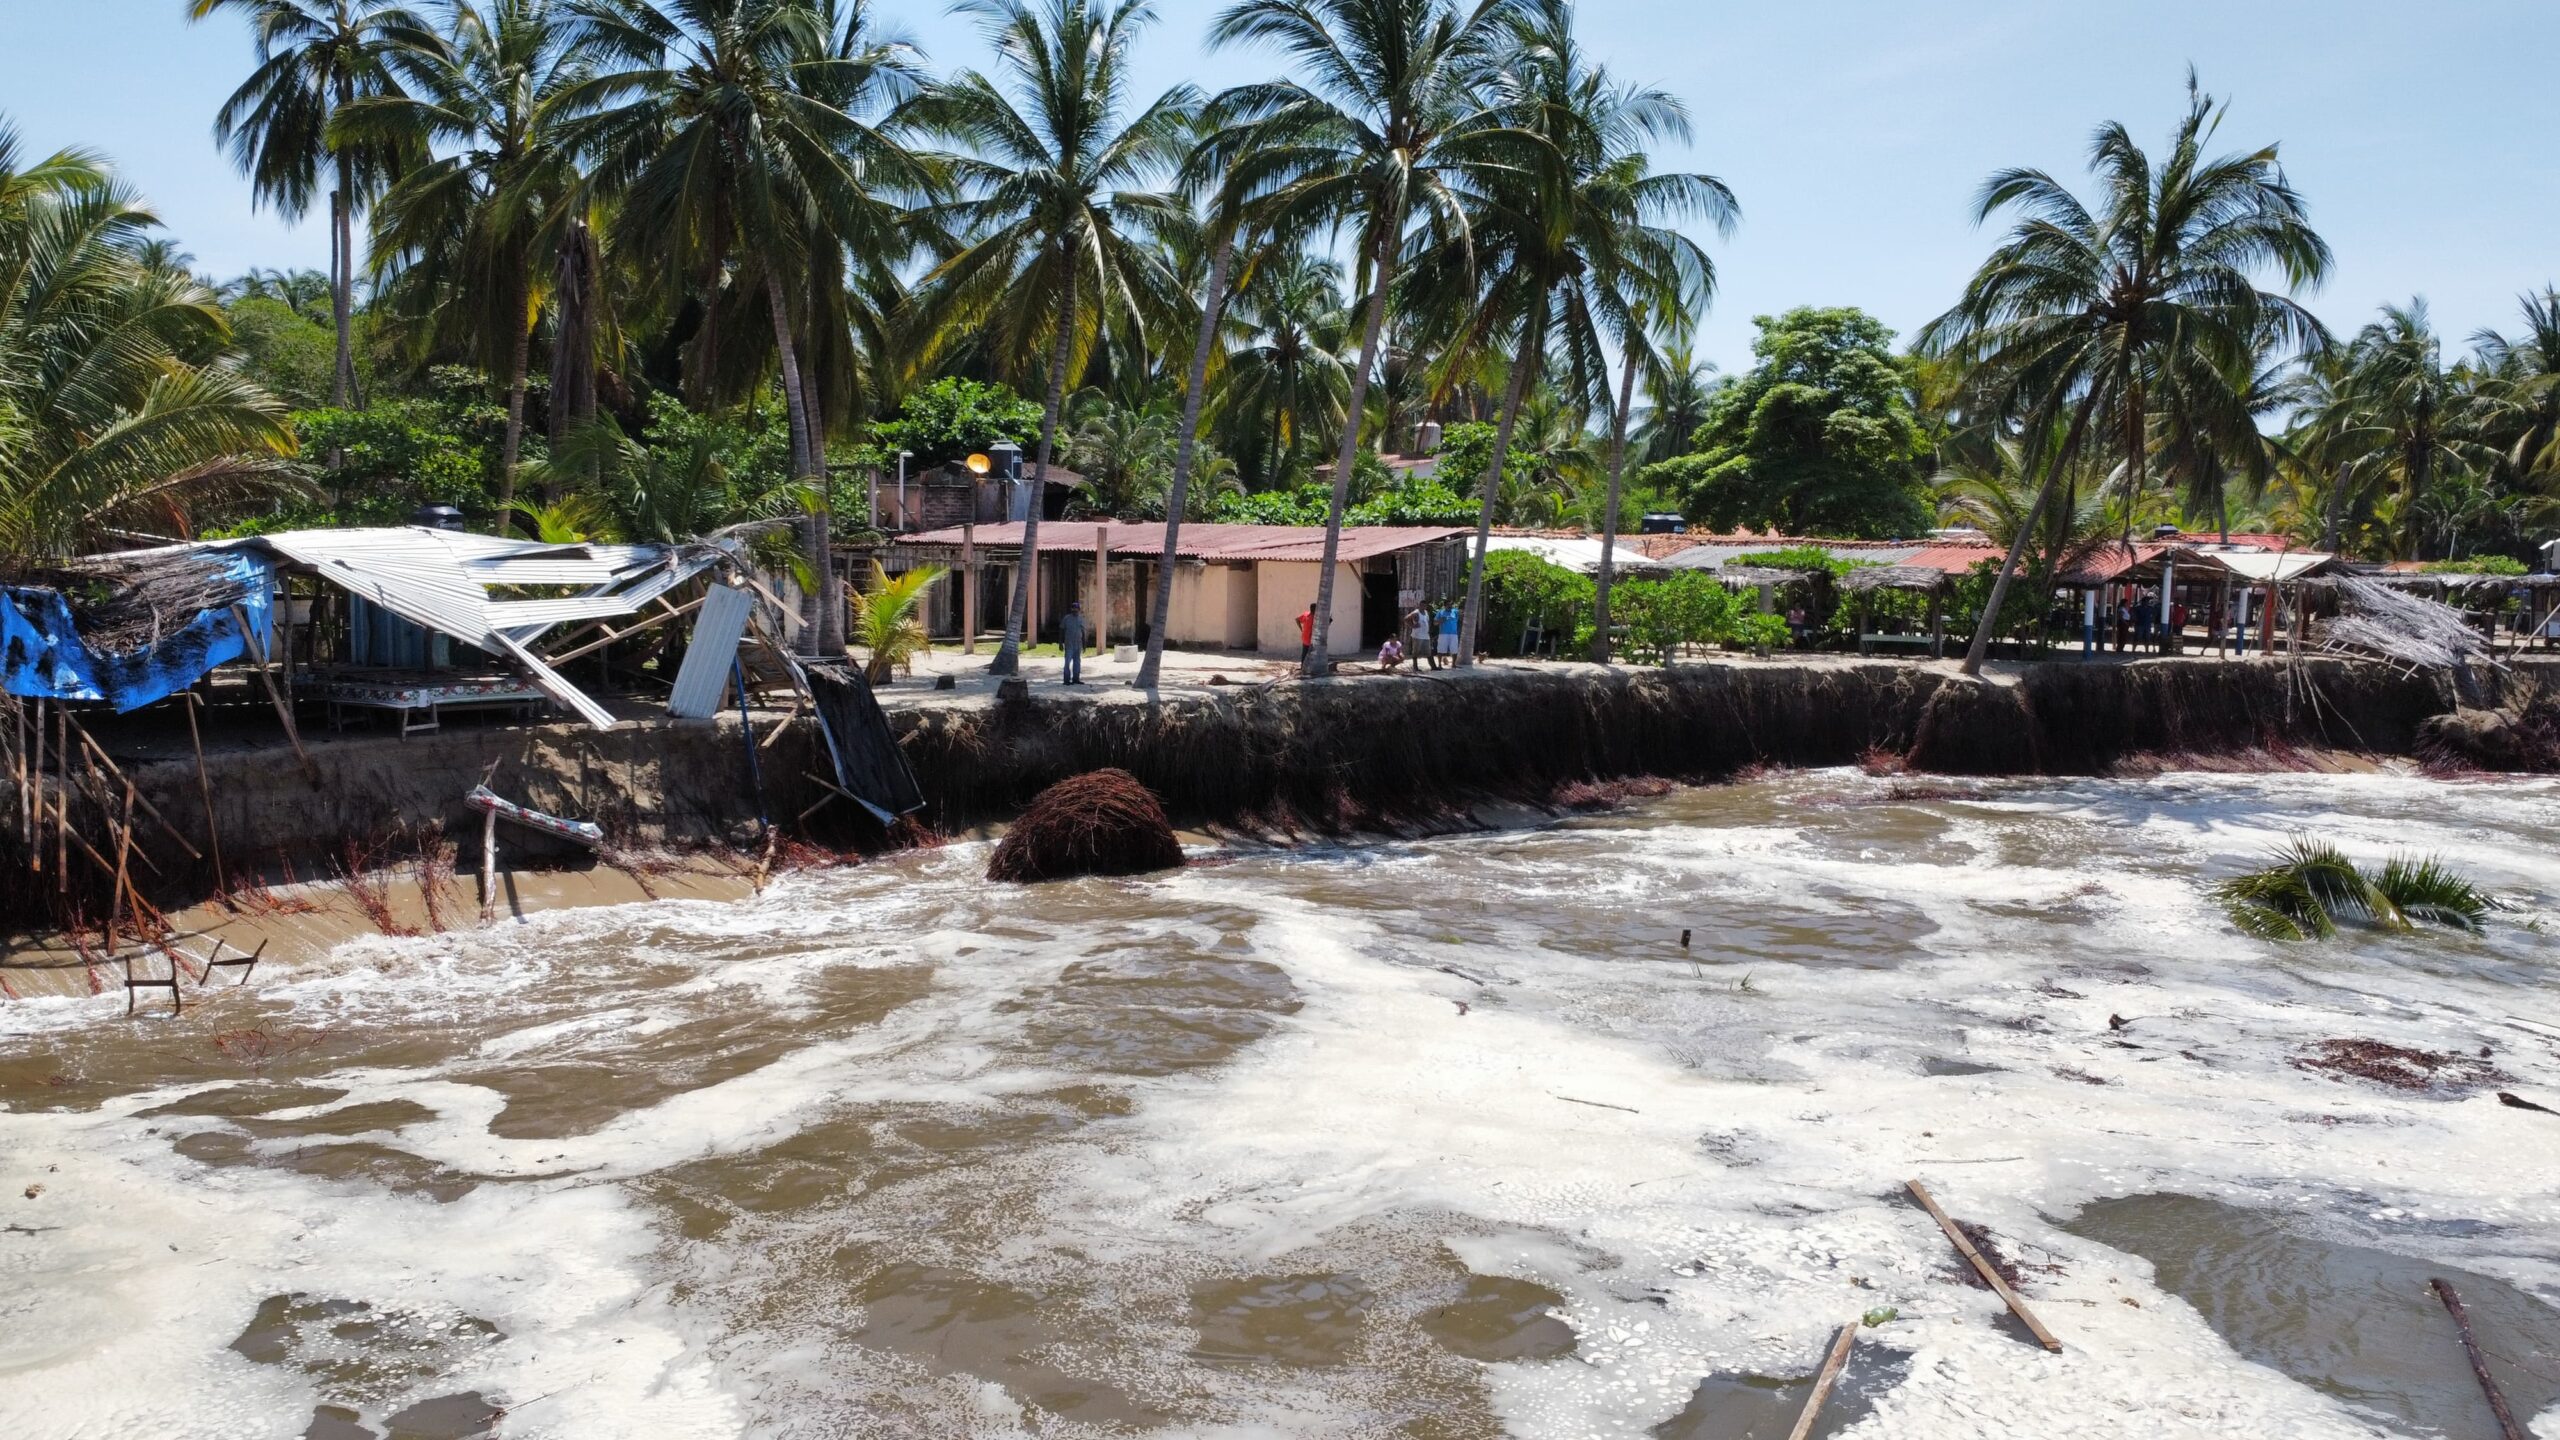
446, 581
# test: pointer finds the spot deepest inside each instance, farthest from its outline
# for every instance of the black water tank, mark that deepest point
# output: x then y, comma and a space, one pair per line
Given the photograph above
1666, 525
437, 517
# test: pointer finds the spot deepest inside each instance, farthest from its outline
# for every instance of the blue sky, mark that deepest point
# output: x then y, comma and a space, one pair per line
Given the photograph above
1854, 131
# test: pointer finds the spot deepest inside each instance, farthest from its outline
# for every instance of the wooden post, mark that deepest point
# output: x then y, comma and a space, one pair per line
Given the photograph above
1938, 623
204, 788
1823, 1382
284, 710
62, 799
111, 768
2507, 1427
2267, 622
124, 853
1101, 587
1983, 1268
969, 585
18, 773
35, 786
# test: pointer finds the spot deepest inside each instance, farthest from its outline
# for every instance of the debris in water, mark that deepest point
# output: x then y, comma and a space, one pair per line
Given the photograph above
2520, 1103
2398, 1066
1969, 1241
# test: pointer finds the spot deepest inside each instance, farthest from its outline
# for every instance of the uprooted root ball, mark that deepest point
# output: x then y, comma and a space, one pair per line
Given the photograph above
1104, 822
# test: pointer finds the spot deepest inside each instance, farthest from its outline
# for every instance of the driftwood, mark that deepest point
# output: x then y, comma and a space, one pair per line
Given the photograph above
1984, 1268
1823, 1382
2507, 1426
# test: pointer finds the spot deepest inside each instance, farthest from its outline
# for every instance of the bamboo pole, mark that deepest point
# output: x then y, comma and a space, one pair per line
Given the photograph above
18, 770
1982, 1267
1823, 1382
2507, 1427
204, 788
284, 710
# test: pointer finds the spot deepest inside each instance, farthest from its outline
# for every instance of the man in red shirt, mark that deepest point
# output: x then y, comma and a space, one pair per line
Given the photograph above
1306, 633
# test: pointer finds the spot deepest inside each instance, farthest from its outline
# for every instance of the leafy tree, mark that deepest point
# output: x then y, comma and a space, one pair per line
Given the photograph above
1818, 439
954, 418
283, 350
1522, 592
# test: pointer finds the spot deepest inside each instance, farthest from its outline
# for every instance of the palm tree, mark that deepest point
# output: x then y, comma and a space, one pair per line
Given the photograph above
2409, 405
2083, 311
887, 622
1385, 124
1581, 241
2524, 389
1050, 187
315, 59
103, 418
1678, 390
463, 241
1286, 385
718, 130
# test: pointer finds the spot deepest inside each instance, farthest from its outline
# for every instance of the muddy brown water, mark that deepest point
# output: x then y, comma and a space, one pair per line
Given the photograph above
1448, 1139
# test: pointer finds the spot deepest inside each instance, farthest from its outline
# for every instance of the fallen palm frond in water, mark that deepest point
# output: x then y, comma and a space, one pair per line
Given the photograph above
2313, 887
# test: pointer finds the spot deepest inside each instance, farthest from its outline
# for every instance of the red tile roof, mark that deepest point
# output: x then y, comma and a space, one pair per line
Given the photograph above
1132, 540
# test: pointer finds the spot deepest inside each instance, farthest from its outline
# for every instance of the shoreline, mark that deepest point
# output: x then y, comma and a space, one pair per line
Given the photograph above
1266, 763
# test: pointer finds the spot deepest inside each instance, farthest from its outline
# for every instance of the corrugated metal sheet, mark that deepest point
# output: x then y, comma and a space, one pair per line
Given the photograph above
702, 684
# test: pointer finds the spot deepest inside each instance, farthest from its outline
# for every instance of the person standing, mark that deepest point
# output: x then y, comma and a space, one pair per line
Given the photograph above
1447, 648
1417, 644
1071, 641
1306, 633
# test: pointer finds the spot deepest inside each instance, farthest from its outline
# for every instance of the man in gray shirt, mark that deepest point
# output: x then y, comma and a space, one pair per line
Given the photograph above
1071, 640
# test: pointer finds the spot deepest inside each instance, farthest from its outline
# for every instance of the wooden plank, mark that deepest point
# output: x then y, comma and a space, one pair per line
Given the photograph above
147, 807
2507, 1426
1823, 1382
1983, 1268
646, 623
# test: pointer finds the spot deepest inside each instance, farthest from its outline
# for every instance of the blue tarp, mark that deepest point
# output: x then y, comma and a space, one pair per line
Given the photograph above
42, 653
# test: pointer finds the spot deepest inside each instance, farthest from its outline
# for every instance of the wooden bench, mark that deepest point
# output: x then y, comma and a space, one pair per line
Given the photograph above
1917, 644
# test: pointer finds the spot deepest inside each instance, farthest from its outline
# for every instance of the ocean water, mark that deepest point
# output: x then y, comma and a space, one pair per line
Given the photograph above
1442, 1139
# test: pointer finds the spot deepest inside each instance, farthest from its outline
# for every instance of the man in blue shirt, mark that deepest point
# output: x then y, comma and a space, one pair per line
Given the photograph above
1071, 640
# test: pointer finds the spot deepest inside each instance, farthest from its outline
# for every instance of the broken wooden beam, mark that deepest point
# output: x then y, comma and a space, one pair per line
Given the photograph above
2507, 1427
1823, 1382
1983, 1268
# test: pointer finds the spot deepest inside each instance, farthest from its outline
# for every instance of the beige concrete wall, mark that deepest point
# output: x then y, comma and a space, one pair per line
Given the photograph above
1287, 587
1199, 614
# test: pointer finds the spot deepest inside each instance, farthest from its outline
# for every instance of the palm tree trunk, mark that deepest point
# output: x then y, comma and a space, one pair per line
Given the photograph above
1609, 522
1189, 446
511, 449
1982, 632
813, 534
1017, 617
1533, 332
342, 376
573, 368
831, 639
1352, 414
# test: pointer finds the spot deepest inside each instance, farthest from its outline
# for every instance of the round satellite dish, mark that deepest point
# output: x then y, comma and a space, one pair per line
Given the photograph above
980, 464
